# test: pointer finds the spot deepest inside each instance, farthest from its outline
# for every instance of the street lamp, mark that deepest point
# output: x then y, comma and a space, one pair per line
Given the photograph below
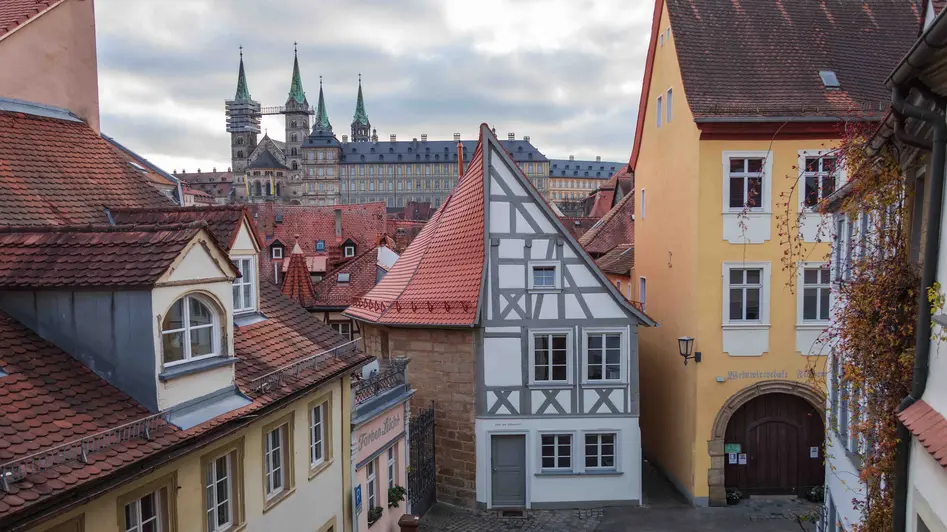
686, 346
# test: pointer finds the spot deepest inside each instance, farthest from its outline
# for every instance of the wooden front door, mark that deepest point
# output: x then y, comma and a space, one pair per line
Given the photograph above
779, 437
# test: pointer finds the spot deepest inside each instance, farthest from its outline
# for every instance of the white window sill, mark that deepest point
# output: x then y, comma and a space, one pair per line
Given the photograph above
813, 325
737, 212
594, 473
544, 290
745, 326
190, 367
605, 384
555, 385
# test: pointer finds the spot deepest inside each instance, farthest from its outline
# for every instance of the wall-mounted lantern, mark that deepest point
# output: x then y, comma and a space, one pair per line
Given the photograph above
686, 346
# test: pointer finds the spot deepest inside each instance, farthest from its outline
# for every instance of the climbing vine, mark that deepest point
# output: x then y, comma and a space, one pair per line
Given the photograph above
871, 337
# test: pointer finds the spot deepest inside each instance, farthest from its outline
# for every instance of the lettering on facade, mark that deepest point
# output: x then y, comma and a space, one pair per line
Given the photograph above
391, 423
801, 374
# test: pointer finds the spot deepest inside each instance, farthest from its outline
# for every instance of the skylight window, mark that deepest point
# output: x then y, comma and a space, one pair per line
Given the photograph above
829, 79
344, 277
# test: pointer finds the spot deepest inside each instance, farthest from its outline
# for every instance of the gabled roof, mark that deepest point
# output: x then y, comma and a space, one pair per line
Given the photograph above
152, 172
92, 256
223, 221
619, 261
363, 275
267, 160
15, 13
616, 227
297, 285
61, 172
578, 225
610, 193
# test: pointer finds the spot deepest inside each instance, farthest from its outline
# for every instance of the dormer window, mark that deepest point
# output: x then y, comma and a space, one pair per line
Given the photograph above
348, 251
244, 287
320, 245
344, 278
190, 331
277, 252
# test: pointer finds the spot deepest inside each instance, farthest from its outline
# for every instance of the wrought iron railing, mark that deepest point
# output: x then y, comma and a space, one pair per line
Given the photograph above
315, 362
79, 450
381, 382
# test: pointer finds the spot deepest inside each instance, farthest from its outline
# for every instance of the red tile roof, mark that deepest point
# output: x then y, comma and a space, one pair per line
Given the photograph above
578, 225
402, 232
49, 399
91, 256
61, 172
363, 273
930, 428
222, 220
217, 184
297, 284
15, 13
438, 278
619, 261
616, 227
619, 185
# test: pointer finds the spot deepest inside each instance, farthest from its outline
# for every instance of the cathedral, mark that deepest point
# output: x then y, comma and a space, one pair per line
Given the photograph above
313, 167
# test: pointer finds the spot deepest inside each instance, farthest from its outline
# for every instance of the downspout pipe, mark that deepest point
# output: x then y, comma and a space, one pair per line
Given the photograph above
938, 124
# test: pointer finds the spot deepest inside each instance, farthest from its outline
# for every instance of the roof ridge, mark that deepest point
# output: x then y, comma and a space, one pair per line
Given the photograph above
103, 228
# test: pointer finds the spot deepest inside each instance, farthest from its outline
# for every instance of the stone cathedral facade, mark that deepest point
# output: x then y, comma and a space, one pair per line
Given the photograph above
314, 167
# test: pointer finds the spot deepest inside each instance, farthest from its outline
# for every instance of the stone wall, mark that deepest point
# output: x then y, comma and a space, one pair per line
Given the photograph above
442, 371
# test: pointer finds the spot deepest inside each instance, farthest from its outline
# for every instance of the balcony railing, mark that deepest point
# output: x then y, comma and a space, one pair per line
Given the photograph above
316, 362
393, 377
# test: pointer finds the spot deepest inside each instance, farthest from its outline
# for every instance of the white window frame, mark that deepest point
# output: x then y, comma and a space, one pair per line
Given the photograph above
371, 481
800, 293
392, 464
557, 275
533, 333
277, 252
616, 445
766, 201
214, 326
247, 281
840, 174
556, 435
269, 451
643, 293
764, 294
317, 434
623, 354
668, 110
212, 502
136, 509
348, 250
337, 326
642, 202
660, 114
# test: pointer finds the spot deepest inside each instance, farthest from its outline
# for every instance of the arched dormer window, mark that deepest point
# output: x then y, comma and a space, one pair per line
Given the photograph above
190, 330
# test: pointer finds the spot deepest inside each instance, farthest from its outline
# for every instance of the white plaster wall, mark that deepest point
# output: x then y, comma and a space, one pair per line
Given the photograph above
841, 479
512, 276
386, 257
749, 228
745, 341
806, 337
196, 265
511, 248
571, 488
582, 276
243, 244
499, 217
815, 227
502, 362
508, 179
929, 480
603, 305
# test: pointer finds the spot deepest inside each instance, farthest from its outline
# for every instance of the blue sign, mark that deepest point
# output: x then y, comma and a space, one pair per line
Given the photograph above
358, 499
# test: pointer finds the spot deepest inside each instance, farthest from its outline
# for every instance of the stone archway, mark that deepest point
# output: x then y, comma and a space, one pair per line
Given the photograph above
715, 446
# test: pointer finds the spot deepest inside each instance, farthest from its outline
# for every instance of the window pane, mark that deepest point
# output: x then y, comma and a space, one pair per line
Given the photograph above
752, 303
173, 346
175, 317
608, 461
811, 191
613, 341
736, 304
825, 274
595, 372
542, 373
548, 461
736, 276
559, 373
753, 276
247, 292
131, 517
812, 164
223, 513
148, 509
547, 440
612, 356
754, 191
565, 460
236, 293
811, 276
736, 165
608, 439
754, 165
202, 341
828, 185
824, 304
809, 304
559, 342
736, 193
595, 342
828, 164
200, 314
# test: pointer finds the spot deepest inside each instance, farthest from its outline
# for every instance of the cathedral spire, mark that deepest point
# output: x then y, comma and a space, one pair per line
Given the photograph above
296, 92
322, 116
243, 93
360, 115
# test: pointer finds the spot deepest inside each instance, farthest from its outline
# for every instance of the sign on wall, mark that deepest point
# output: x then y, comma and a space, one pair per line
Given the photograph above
358, 499
731, 448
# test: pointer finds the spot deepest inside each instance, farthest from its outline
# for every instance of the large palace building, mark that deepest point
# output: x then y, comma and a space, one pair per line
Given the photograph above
314, 167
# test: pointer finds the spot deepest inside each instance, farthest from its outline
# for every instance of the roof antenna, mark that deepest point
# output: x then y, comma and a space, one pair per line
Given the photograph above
108, 214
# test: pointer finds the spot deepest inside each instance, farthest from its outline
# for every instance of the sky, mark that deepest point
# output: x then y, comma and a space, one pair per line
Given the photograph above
565, 72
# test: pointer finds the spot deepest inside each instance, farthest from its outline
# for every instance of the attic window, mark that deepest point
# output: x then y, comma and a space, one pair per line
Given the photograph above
3, 373
349, 251
279, 218
829, 79
344, 278
277, 252
320, 245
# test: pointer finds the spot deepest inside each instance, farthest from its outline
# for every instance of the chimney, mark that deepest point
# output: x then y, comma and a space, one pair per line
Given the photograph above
423, 137
338, 223
460, 158
511, 136
456, 136
198, 170
375, 135
175, 172
228, 169
572, 157
345, 138
393, 137
526, 138
598, 158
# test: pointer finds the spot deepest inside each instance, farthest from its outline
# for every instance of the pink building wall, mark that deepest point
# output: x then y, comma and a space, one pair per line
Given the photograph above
375, 437
53, 56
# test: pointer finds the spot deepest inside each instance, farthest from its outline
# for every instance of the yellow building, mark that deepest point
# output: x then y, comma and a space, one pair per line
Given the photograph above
727, 128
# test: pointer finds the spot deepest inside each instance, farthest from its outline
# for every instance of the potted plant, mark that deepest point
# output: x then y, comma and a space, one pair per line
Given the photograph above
816, 493
734, 495
396, 495
374, 514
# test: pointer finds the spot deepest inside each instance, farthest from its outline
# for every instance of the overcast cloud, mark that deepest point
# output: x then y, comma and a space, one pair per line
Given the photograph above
566, 72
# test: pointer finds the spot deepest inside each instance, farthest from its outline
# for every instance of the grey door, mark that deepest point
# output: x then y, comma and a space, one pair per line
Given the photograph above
509, 471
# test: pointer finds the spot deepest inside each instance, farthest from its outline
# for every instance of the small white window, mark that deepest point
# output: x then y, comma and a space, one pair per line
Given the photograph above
816, 287
746, 293
392, 475
618, 286
642, 209
317, 444
661, 39
746, 182
556, 450
144, 514
372, 485
643, 293
550, 358
544, 275
820, 179
667, 105
600, 451
277, 252
660, 114
190, 331
244, 287
349, 251
274, 458
603, 356
219, 486
342, 327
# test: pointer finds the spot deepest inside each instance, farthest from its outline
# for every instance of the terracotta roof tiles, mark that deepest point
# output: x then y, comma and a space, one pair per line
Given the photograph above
616, 227
15, 13
362, 272
619, 261
222, 220
297, 284
930, 428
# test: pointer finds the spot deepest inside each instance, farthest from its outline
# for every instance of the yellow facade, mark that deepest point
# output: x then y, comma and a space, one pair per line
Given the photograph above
313, 500
680, 250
